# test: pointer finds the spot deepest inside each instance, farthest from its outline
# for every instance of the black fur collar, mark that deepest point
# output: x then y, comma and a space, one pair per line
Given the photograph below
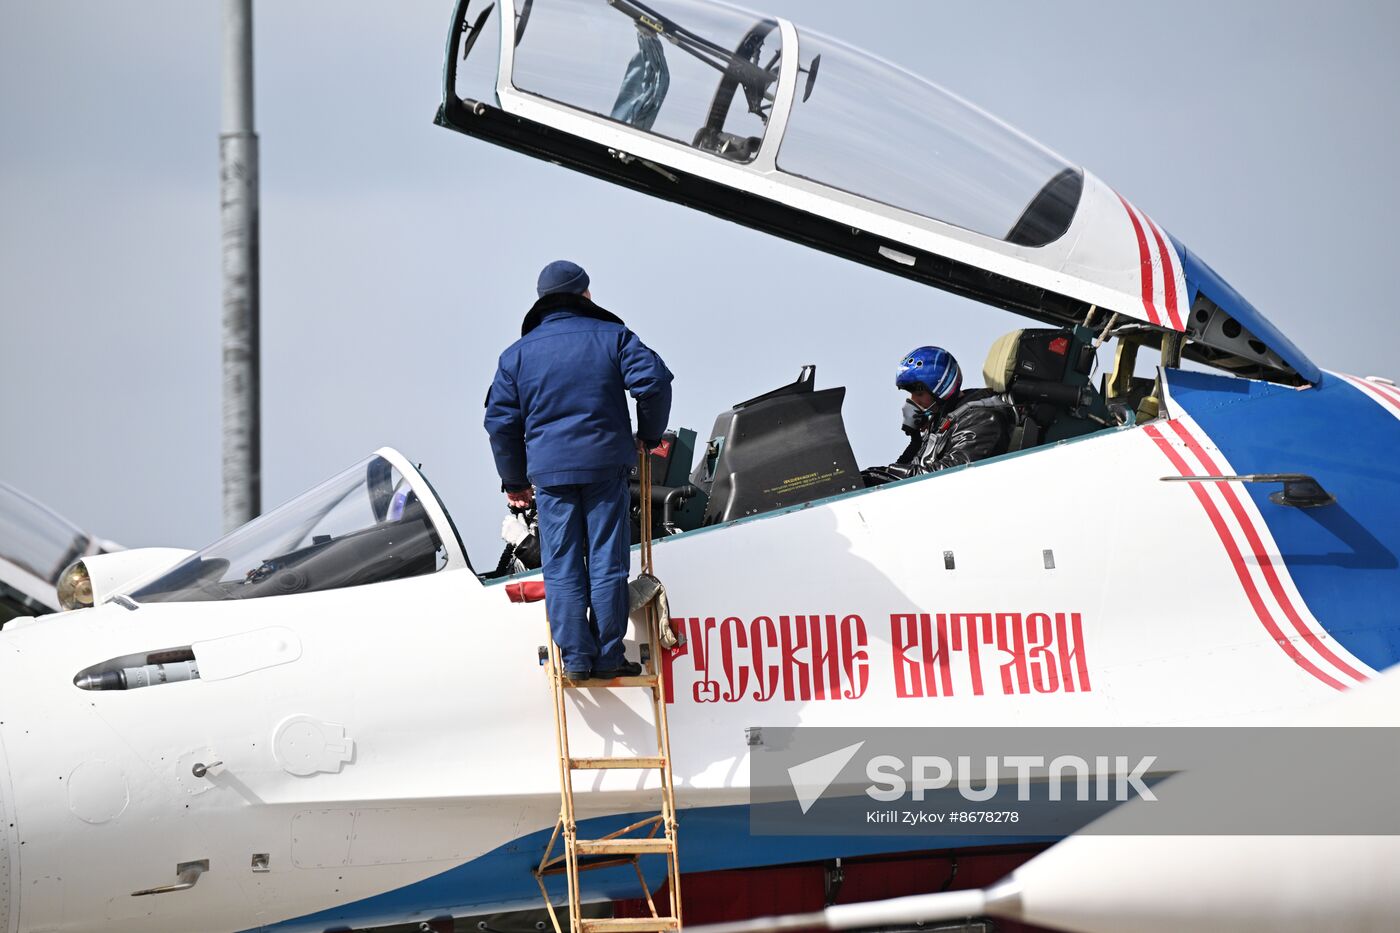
565, 301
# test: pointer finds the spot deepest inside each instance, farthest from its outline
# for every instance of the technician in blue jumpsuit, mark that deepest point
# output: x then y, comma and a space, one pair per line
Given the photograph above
557, 417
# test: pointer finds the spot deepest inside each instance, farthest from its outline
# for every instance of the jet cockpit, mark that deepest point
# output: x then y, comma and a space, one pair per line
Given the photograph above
759, 121
374, 522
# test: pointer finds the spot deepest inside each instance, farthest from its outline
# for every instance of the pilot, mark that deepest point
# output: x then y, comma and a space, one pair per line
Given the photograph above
558, 421
947, 426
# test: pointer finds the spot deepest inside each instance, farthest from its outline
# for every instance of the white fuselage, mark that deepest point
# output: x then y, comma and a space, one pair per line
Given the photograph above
370, 737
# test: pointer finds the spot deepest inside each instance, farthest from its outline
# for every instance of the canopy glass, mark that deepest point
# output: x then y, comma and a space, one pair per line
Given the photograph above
35, 538
873, 129
365, 525
691, 72
708, 76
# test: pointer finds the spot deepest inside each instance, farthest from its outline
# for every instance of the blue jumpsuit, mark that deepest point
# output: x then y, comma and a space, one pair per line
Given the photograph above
557, 416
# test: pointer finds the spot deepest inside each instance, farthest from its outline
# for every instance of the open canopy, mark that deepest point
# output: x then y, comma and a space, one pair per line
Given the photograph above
756, 120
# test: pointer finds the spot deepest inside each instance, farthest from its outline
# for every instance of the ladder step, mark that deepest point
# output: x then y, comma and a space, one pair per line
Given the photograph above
600, 764
623, 847
644, 680
629, 924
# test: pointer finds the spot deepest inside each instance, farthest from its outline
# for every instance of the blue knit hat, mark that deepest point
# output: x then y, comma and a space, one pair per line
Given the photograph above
562, 276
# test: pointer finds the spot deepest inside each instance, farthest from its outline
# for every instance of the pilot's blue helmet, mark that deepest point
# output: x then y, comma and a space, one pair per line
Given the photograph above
930, 368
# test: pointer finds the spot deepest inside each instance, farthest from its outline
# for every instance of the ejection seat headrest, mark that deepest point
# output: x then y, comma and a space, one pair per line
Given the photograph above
1001, 362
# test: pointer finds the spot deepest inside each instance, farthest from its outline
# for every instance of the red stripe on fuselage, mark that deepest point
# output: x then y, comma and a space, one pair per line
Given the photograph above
1265, 562
1237, 561
1377, 390
1145, 264
1168, 274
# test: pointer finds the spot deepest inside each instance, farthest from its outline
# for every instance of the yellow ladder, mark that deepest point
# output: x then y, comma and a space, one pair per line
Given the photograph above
655, 835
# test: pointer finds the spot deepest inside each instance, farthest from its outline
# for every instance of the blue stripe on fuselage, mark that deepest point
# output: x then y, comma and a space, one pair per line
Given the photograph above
714, 838
1342, 557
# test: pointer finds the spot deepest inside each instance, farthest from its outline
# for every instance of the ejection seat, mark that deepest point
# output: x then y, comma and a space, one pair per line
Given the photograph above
1045, 374
775, 451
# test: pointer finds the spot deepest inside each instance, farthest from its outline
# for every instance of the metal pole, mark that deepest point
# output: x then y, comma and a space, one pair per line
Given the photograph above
238, 190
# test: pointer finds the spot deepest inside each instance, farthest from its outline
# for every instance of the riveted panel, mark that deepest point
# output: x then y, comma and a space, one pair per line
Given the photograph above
321, 838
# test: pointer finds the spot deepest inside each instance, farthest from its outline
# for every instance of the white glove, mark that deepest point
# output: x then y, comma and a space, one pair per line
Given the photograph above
514, 530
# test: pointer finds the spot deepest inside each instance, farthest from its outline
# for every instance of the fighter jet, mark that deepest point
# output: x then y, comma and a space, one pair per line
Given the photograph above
331, 718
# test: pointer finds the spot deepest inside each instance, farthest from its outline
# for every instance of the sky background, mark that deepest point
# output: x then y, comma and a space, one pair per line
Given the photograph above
398, 257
